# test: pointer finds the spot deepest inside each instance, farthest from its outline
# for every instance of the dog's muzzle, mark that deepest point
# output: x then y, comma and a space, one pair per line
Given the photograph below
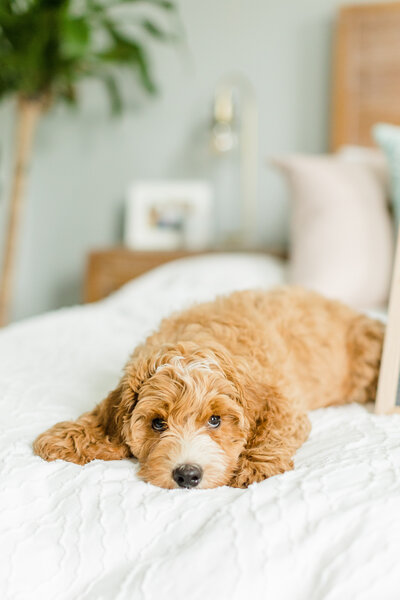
187, 476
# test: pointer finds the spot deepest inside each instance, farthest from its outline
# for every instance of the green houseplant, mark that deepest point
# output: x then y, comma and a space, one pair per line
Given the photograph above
46, 48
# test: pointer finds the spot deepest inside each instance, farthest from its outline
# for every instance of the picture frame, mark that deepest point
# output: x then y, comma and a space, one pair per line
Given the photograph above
169, 215
388, 393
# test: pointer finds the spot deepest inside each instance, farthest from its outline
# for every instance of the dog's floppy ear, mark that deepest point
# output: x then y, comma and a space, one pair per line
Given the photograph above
99, 433
96, 434
253, 392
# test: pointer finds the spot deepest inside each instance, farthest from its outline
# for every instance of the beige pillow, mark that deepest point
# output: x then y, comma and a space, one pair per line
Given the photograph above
342, 238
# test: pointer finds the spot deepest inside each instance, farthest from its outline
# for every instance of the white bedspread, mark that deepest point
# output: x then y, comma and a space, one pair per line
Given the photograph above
329, 530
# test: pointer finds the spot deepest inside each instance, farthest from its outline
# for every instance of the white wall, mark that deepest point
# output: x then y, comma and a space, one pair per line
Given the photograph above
85, 160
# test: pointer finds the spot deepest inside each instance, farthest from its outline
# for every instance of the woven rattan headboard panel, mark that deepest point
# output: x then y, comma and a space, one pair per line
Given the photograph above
366, 72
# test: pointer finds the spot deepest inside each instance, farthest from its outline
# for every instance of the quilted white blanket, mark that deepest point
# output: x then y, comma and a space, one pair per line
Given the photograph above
329, 530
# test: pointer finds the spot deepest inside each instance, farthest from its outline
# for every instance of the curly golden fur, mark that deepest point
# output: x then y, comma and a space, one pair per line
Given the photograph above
256, 360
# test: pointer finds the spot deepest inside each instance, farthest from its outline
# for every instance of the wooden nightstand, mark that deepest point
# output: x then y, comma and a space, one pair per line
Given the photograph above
107, 270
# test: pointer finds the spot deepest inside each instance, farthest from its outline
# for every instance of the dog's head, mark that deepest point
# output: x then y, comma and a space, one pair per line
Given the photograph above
184, 411
181, 413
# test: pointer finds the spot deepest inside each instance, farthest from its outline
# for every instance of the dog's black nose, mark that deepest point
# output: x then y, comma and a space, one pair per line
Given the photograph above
187, 476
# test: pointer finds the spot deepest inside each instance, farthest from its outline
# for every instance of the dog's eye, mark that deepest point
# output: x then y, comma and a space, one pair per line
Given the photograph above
158, 424
214, 421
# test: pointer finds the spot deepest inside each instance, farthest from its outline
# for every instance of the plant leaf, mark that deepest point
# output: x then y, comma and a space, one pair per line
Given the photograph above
75, 37
113, 93
145, 73
125, 50
167, 5
155, 31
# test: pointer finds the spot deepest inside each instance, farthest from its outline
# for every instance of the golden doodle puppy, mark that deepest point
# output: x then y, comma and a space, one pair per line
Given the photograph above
219, 394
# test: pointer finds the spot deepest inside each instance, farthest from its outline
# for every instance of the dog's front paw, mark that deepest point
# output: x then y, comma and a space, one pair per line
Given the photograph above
59, 442
249, 471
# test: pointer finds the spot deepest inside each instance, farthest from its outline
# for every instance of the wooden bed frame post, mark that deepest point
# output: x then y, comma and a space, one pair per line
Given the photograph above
388, 395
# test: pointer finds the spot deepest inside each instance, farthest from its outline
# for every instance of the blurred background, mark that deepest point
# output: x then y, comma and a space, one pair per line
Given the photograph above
185, 169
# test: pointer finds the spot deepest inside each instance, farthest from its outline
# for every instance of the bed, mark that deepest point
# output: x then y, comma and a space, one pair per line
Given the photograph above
329, 529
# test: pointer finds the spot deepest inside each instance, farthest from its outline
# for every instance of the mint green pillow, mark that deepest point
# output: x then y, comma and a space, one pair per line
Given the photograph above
388, 138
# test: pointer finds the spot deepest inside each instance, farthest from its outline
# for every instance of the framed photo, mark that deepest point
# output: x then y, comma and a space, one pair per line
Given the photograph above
388, 395
169, 215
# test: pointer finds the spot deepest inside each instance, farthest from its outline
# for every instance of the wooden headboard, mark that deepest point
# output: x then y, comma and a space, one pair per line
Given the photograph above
366, 72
